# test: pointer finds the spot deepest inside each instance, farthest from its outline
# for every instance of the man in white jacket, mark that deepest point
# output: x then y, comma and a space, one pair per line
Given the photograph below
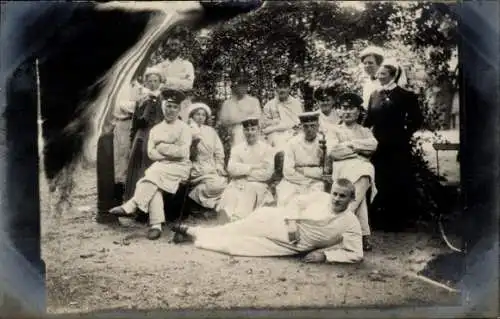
178, 73
372, 58
318, 223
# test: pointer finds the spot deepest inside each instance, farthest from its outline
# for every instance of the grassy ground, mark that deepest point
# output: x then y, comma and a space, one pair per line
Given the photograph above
90, 267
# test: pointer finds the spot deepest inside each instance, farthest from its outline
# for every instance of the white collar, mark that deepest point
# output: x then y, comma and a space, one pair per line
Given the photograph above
331, 115
242, 98
389, 86
155, 92
288, 99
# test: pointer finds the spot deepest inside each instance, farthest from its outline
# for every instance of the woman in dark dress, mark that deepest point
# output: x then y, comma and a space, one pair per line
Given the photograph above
393, 115
147, 114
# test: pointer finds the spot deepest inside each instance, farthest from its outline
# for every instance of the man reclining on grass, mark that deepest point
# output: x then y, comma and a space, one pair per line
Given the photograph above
317, 223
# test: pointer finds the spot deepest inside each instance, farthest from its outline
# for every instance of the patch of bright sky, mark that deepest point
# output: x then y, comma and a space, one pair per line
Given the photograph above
360, 5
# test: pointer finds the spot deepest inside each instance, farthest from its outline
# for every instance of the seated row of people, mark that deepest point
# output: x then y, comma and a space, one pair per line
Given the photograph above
251, 163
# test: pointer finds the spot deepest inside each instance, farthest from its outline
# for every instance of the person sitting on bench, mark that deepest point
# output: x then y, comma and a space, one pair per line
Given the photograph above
250, 167
302, 171
208, 175
146, 115
169, 145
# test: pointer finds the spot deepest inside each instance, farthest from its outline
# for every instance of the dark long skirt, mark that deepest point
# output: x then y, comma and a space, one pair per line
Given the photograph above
408, 191
394, 206
138, 162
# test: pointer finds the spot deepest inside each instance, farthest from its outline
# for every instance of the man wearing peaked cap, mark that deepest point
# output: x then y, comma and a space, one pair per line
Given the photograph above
350, 99
302, 168
281, 114
172, 96
168, 146
328, 118
282, 80
372, 58
378, 52
310, 124
309, 117
355, 144
250, 167
250, 122
239, 106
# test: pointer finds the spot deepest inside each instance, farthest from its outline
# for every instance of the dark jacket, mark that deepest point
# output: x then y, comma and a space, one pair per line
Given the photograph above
394, 116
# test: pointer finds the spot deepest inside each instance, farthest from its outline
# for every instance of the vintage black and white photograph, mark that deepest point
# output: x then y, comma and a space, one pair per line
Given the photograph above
300, 154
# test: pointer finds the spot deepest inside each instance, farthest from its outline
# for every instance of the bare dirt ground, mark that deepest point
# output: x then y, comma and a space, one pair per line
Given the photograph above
90, 267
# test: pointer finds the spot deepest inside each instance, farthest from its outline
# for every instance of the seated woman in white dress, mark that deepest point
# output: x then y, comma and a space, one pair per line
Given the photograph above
250, 167
318, 223
169, 144
351, 158
207, 154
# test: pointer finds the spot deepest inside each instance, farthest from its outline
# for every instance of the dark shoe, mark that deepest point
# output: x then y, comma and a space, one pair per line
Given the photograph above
119, 191
107, 218
210, 214
154, 233
367, 246
142, 218
180, 238
179, 229
120, 212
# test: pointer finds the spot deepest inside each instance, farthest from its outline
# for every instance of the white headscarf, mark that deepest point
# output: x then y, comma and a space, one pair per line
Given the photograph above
153, 70
400, 79
195, 128
193, 107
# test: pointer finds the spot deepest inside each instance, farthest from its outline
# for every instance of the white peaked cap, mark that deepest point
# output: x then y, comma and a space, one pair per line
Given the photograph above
372, 50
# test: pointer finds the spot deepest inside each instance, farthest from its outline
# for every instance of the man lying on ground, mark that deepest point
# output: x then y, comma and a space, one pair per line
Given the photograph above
317, 223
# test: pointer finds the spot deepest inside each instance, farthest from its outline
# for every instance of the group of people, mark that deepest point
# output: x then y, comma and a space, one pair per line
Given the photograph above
333, 164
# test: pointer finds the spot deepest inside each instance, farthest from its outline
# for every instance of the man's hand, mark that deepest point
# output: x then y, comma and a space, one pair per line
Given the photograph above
221, 171
259, 166
293, 237
301, 170
162, 147
315, 257
293, 232
348, 144
267, 129
327, 179
196, 135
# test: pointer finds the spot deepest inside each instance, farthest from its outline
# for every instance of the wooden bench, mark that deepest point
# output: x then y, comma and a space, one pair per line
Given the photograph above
446, 147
